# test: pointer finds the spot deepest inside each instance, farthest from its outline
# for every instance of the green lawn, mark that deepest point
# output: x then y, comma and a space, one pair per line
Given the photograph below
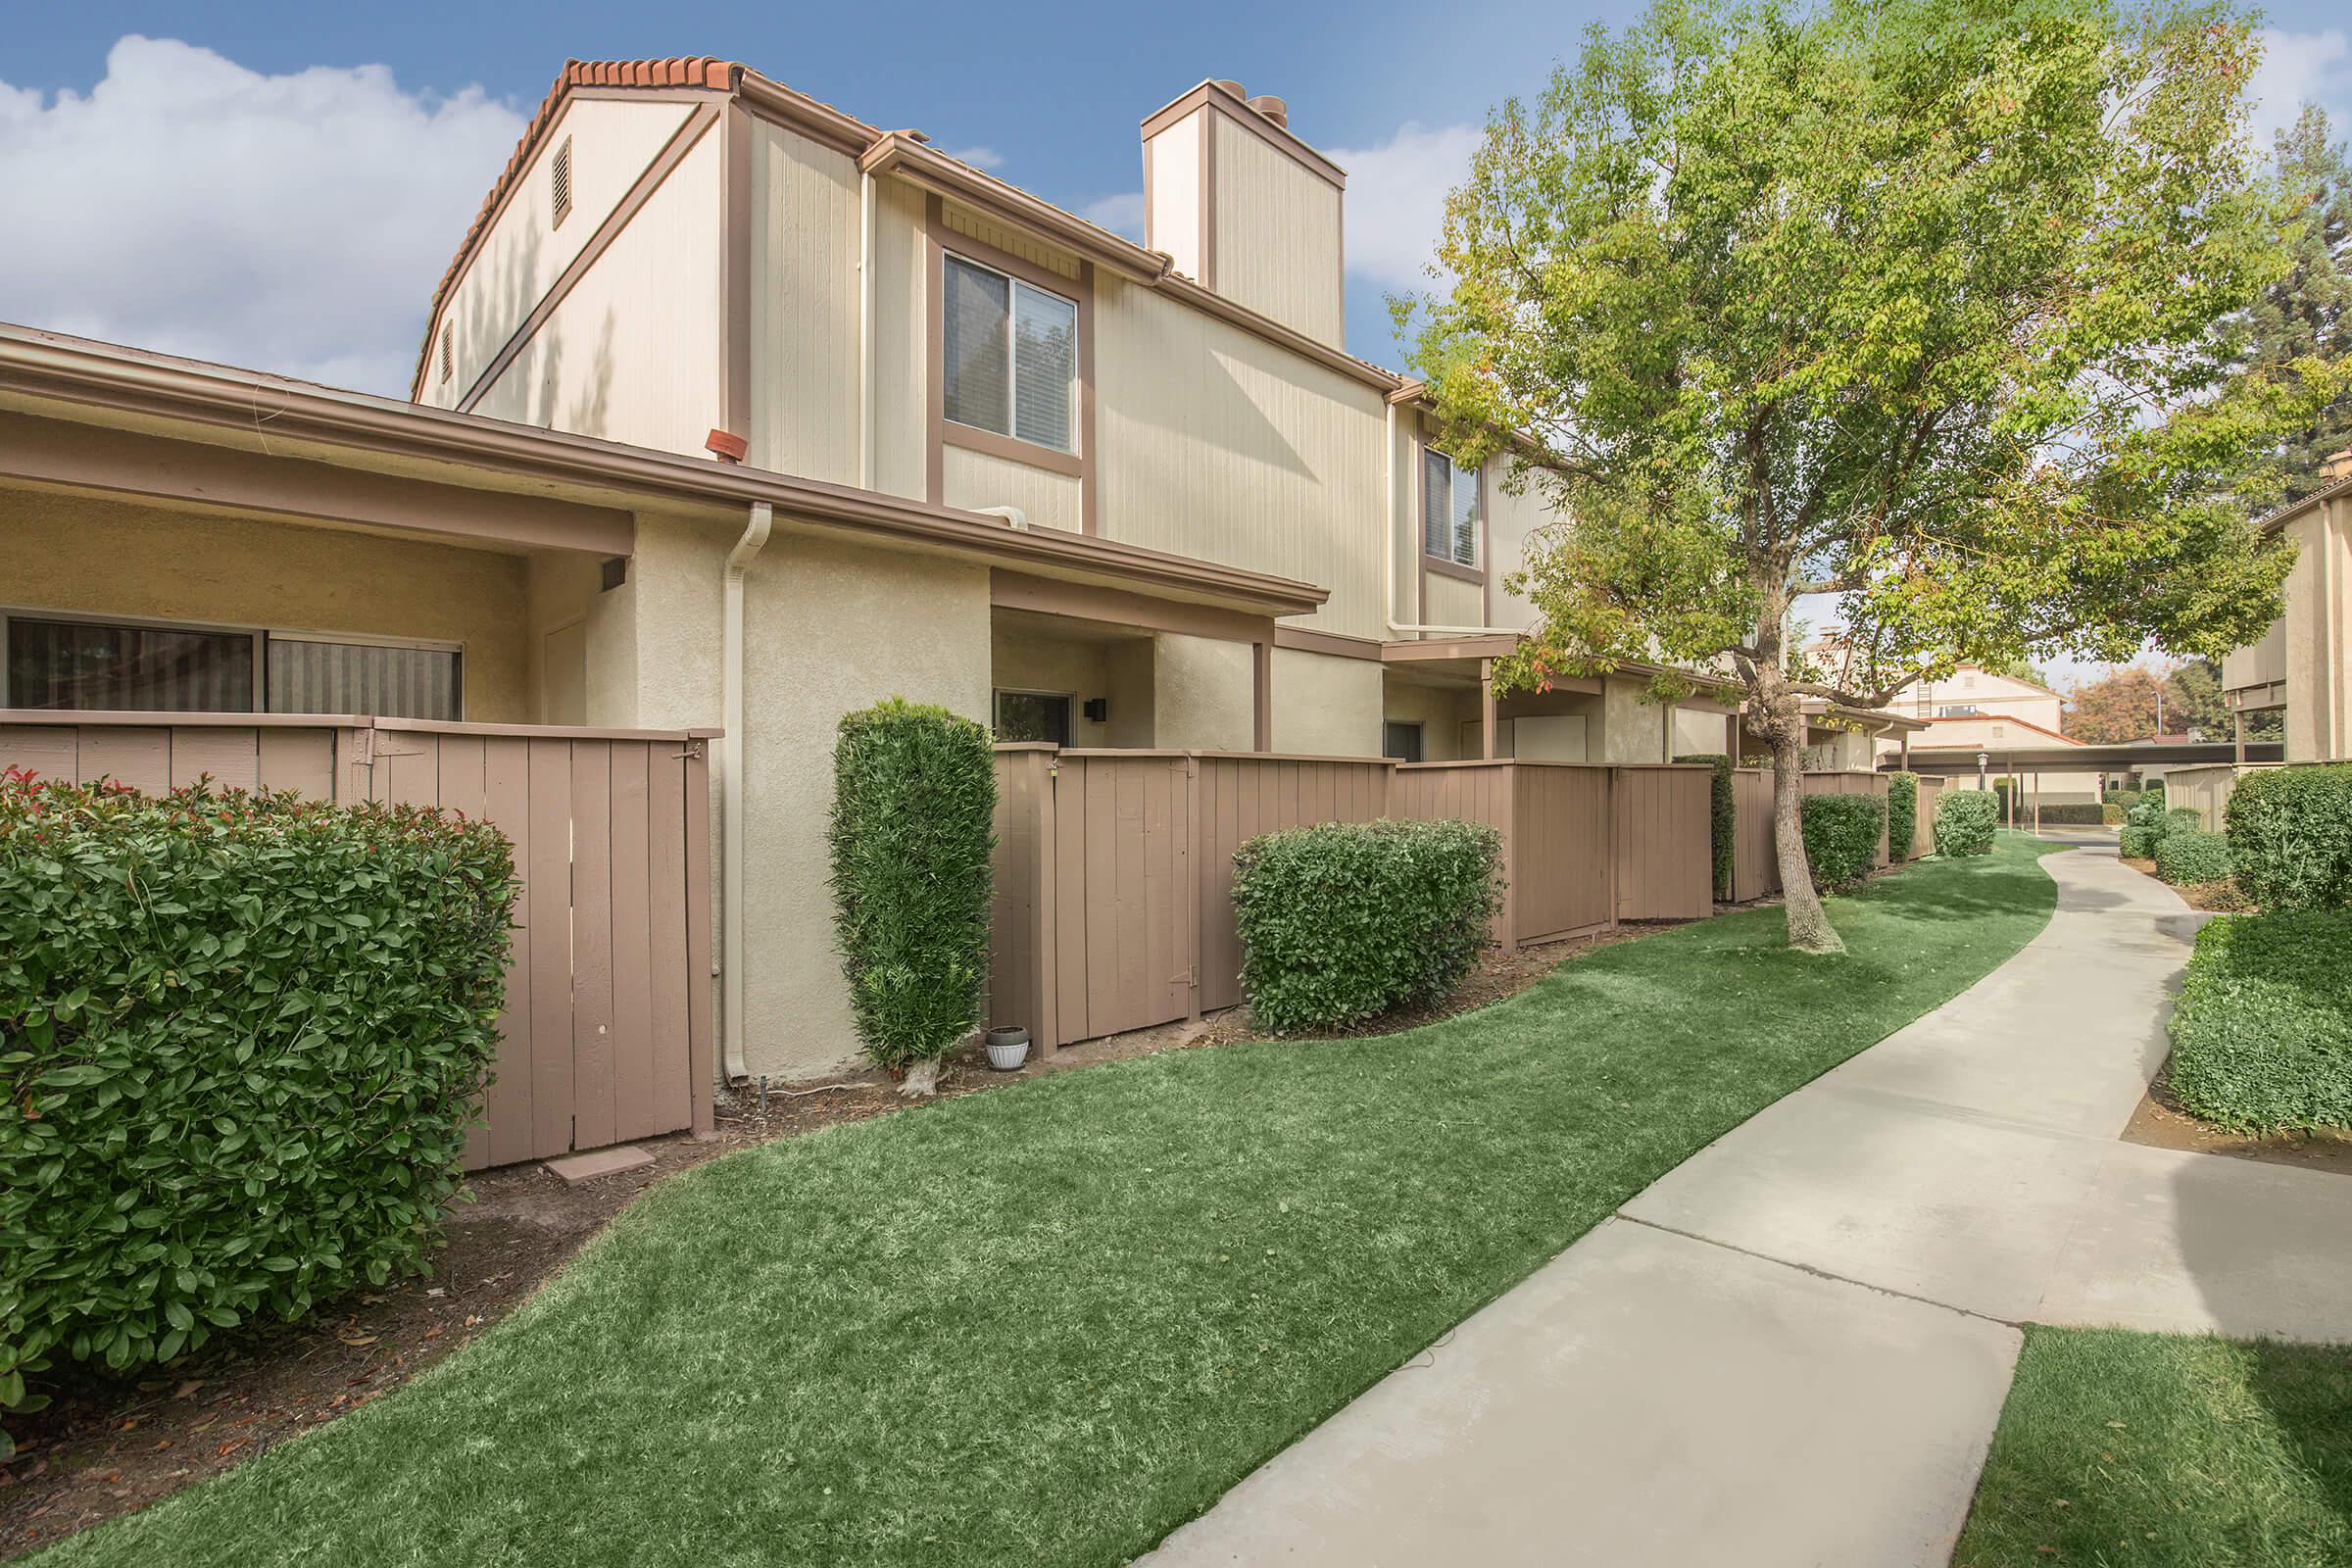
1048, 1323
2163, 1451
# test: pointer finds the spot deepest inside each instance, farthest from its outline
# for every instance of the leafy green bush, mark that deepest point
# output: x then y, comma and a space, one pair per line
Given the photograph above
1841, 837
912, 829
1721, 816
2193, 854
1347, 921
2291, 837
1902, 814
2139, 843
2262, 1038
2185, 819
2112, 813
240, 1040
2146, 811
2073, 814
1965, 820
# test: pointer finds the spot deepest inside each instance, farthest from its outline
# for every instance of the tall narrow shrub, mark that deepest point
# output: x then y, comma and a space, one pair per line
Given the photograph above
2291, 837
1722, 816
915, 798
1902, 814
1842, 836
1964, 822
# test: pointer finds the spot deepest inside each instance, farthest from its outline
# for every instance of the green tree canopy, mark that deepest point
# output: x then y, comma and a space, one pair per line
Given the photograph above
1919, 304
2308, 312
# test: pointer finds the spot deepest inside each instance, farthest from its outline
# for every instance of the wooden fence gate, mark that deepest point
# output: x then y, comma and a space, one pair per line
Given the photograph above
606, 1035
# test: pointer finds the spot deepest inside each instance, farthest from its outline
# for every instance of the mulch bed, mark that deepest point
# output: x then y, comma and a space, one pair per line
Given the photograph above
104, 1447
2161, 1123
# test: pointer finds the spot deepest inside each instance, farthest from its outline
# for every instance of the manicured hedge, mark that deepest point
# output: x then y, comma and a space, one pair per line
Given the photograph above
2193, 854
1722, 818
1348, 920
2072, 814
240, 1040
2262, 1038
914, 800
1902, 814
2139, 843
1841, 837
1965, 820
2291, 837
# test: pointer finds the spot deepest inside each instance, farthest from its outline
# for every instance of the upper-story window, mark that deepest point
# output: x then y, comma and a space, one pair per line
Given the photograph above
1012, 357
1449, 509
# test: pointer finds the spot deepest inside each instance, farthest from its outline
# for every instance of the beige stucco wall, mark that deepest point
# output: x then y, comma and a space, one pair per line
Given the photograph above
2318, 635
829, 628
613, 141
632, 353
1326, 706
1699, 733
1277, 233
1023, 659
1633, 729
1204, 693
1441, 711
1996, 696
803, 327
117, 557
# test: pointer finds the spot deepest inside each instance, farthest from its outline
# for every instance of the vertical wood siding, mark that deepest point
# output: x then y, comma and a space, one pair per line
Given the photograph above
1923, 831
804, 328
606, 1033
1663, 852
1278, 234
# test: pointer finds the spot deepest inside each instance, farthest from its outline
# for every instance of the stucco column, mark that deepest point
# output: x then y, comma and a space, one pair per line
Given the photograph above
1261, 691
2237, 726
1486, 708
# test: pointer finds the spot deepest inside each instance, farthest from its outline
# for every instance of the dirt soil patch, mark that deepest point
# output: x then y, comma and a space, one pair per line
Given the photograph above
2161, 1123
104, 1447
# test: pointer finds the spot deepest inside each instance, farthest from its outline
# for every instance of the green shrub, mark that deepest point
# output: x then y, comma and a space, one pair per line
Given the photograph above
1965, 820
2193, 854
2185, 819
2139, 843
1841, 837
915, 798
1902, 814
2291, 837
1722, 820
2112, 813
2072, 814
1347, 921
2146, 811
2262, 1038
240, 1041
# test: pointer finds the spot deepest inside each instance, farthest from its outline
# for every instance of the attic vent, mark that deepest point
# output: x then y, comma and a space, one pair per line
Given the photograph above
559, 182
448, 352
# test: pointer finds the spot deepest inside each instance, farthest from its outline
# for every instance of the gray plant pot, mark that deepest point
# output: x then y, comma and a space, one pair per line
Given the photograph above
1007, 1047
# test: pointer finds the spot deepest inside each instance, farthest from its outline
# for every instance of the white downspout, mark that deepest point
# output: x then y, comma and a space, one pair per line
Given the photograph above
865, 332
1388, 558
730, 785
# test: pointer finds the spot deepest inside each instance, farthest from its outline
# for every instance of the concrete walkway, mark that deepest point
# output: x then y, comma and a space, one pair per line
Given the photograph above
1793, 1349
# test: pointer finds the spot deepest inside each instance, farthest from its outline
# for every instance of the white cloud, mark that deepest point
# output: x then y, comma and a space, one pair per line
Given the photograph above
2300, 68
295, 224
978, 157
1396, 200
1122, 214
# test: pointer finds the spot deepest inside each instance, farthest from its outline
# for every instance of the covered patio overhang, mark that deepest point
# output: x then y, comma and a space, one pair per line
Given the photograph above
1591, 718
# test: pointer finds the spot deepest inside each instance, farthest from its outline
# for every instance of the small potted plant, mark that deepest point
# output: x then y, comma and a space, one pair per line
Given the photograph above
1008, 1047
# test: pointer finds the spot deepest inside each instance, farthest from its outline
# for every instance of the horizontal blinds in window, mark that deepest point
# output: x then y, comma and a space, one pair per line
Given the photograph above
1045, 362
80, 664
1465, 515
322, 678
1437, 505
978, 388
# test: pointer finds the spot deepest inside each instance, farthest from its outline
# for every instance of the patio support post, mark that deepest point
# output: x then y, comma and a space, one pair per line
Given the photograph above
731, 788
1486, 708
1262, 697
2237, 726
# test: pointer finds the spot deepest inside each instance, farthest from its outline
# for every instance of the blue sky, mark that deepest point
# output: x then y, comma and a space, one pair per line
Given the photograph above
281, 185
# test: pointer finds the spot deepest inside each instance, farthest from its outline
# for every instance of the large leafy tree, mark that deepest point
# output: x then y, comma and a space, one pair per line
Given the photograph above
2118, 707
2308, 312
1913, 303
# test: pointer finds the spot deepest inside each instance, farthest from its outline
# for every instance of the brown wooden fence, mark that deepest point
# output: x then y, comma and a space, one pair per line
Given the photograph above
606, 1029
1114, 868
1923, 830
1756, 863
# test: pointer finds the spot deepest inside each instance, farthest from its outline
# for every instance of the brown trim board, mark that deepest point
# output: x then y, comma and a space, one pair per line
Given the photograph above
1050, 596
736, 204
1217, 100
674, 152
1332, 644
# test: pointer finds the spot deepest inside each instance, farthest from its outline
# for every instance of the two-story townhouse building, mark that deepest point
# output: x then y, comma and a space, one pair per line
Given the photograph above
2302, 669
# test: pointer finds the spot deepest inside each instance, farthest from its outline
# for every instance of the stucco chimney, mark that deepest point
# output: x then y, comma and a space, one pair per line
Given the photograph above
1241, 204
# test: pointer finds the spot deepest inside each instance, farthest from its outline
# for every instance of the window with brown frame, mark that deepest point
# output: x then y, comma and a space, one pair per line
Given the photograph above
67, 662
1010, 356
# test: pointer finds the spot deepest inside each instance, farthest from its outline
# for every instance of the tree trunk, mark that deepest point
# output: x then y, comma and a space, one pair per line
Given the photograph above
922, 1079
1809, 929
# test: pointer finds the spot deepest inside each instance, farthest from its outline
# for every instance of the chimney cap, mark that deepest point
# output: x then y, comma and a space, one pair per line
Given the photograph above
1273, 109
1230, 85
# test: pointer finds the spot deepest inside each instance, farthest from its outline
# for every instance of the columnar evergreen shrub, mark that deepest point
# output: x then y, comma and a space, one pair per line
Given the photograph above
1842, 836
2192, 854
2291, 837
1722, 818
240, 1042
911, 833
1965, 820
1902, 814
2262, 1038
1348, 920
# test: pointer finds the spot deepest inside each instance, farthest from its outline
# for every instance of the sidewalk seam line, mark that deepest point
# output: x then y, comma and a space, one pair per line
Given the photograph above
1821, 1273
